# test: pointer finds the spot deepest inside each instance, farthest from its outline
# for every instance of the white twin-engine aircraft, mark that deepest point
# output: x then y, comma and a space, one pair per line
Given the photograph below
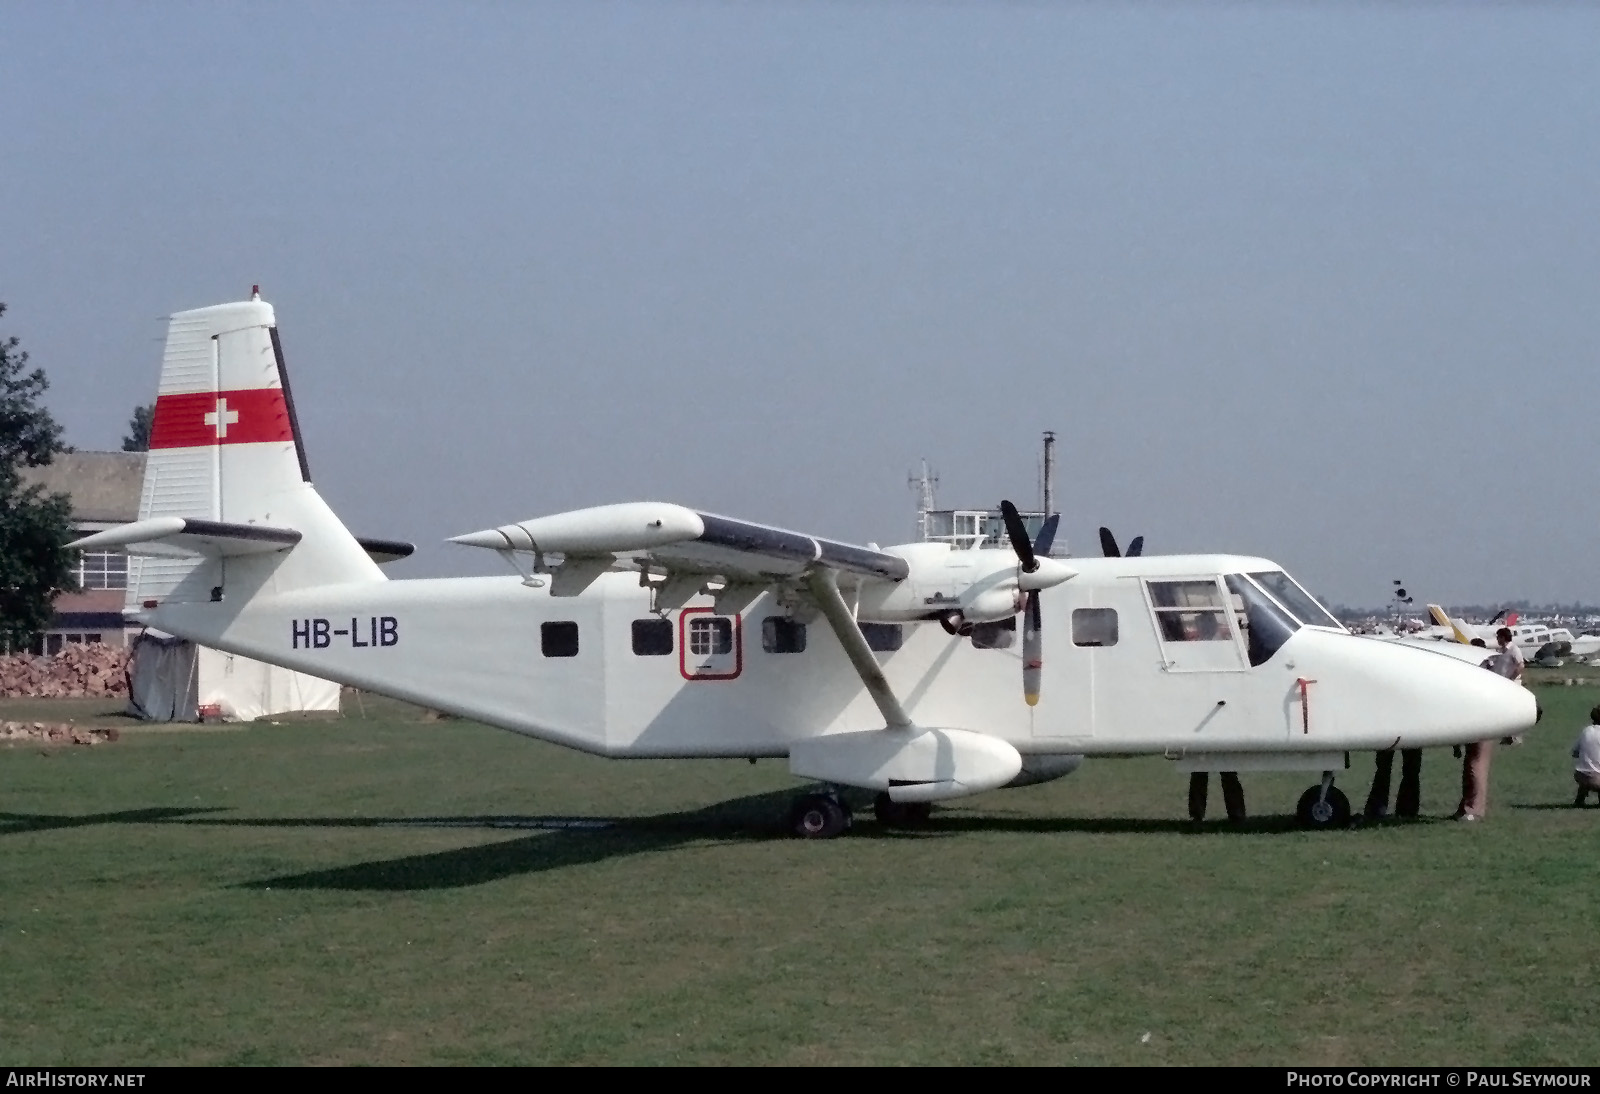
654, 630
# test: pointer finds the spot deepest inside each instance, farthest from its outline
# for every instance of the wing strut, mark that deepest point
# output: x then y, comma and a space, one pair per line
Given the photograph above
824, 586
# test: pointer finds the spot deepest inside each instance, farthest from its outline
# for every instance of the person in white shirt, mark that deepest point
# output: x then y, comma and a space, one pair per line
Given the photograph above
1586, 753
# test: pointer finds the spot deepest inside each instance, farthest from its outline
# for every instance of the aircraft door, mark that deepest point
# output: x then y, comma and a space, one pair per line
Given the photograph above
1195, 625
1176, 654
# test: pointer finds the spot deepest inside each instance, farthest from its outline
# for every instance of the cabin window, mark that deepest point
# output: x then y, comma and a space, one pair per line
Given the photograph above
1299, 602
1266, 625
652, 637
710, 636
558, 639
995, 636
780, 634
1094, 626
1189, 611
882, 637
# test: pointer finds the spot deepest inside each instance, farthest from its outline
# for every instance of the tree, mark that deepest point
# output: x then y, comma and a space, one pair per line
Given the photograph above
138, 438
34, 525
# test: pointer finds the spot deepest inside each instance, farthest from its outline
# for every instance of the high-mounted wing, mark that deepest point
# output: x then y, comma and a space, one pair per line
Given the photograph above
684, 543
697, 551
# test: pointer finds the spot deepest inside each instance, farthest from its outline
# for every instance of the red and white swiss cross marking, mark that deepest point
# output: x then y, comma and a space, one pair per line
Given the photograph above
246, 416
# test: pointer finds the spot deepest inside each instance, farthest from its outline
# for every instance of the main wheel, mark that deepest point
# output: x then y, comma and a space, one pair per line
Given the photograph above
893, 814
817, 816
1316, 812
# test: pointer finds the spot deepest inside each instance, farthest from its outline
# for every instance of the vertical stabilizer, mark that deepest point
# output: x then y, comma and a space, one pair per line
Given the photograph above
225, 446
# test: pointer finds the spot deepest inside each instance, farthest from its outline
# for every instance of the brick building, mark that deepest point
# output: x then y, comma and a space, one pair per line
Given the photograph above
104, 488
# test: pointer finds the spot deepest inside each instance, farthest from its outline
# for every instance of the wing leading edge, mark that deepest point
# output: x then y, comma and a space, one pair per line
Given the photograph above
680, 540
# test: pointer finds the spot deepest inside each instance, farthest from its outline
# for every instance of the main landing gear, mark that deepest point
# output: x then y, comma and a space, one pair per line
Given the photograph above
819, 816
893, 814
1323, 805
825, 814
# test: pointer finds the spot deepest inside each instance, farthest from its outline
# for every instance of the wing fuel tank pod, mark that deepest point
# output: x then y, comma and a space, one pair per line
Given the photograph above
919, 765
631, 526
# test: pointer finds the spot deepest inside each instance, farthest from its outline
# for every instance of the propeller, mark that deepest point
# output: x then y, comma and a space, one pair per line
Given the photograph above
1032, 622
1047, 534
1108, 545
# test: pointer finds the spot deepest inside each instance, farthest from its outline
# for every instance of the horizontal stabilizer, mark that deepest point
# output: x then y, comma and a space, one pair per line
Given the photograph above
386, 550
183, 537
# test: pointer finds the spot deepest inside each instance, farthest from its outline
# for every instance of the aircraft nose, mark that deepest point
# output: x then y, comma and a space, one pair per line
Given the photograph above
1492, 706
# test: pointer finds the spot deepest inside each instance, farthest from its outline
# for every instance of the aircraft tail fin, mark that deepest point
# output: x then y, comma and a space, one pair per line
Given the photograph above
226, 481
1442, 618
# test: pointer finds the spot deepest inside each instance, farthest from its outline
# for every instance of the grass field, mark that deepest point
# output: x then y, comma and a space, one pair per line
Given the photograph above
393, 890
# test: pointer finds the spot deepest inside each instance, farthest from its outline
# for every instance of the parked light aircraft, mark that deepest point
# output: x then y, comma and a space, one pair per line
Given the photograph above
651, 629
1537, 642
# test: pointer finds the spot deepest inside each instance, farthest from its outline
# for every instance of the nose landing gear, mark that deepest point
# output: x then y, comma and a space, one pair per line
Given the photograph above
1323, 805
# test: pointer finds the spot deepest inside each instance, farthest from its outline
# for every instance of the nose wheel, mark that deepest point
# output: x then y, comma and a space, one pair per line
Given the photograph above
1323, 805
819, 816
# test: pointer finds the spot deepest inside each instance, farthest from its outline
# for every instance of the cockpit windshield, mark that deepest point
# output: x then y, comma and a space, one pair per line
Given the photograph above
1266, 625
1301, 603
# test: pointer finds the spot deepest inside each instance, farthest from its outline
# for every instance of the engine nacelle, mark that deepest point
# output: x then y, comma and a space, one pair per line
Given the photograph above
992, 605
1043, 769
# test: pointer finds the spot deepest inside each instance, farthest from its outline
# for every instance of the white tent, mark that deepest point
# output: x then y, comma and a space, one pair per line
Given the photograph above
173, 680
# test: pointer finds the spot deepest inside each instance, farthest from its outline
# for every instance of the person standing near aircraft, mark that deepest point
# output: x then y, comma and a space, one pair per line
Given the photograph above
1408, 800
1507, 661
1586, 753
1232, 795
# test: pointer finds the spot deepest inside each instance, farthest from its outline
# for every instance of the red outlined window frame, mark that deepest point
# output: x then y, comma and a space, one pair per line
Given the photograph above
684, 618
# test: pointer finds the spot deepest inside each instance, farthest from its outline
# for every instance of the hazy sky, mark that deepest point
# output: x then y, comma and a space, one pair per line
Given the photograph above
1318, 282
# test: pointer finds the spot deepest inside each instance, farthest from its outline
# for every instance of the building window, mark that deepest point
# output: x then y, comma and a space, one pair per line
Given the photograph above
882, 637
101, 570
779, 634
710, 636
652, 637
995, 636
558, 639
1094, 626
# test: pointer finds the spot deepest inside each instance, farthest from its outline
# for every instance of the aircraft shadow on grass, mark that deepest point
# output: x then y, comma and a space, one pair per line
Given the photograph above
572, 841
16, 823
557, 842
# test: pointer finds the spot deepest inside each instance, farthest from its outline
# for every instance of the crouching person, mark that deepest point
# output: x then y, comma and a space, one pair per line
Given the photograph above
1586, 759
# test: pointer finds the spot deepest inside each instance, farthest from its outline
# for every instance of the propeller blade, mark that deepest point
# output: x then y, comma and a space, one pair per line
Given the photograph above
1136, 548
1108, 544
1047, 534
1032, 650
1019, 536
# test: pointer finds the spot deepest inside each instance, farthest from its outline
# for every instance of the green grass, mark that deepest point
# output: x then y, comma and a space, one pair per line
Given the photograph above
247, 896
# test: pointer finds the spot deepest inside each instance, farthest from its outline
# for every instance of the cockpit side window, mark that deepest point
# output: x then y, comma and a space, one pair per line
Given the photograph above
1267, 626
1299, 602
1189, 611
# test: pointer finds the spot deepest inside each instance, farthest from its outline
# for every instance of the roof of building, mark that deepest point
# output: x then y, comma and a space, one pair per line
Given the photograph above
103, 486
